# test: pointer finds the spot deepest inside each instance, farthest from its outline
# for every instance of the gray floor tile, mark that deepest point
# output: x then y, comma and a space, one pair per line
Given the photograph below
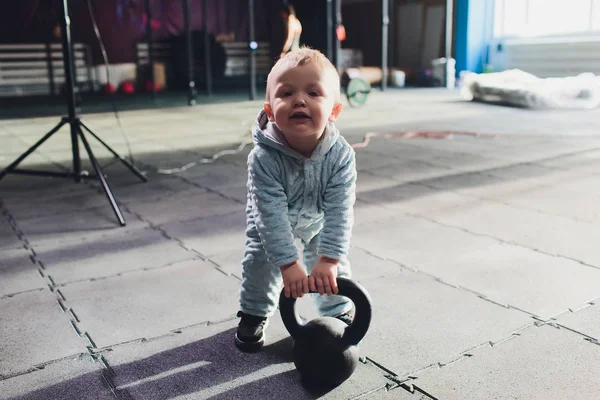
34, 331
520, 171
10, 243
496, 146
411, 171
229, 262
463, 181
489, 187
551, 234
150, 303
8, 236
69, 379
586, 321
35, 187
143, 248
586, 161
19, 273
559, 201
367, 159
402, 393
465, 161
366, 213
539, 364
537, 152
22, 209
162, 157
217, 175
35, 161
65, 189
366, 266
11, 148
6, 229
155, 189
77, 227
505, 273
211, 235
202, 362
419, 322
415, 198
582, 184
367, 182
238, 192
184, 206
565, 194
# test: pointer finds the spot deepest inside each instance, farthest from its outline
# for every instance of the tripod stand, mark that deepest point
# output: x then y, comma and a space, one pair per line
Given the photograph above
76, 126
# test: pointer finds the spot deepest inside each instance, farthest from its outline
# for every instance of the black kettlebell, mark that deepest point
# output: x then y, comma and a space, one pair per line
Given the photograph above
326, 349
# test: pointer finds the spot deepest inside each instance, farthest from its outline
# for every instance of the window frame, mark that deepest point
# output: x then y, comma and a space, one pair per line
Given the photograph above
499, 6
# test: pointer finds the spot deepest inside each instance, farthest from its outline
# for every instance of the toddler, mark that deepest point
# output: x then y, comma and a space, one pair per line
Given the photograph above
301, 184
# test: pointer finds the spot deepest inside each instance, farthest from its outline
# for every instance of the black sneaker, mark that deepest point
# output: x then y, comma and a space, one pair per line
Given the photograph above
250, 335
346, 317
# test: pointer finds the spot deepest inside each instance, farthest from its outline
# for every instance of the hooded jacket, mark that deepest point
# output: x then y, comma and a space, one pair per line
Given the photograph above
291, 196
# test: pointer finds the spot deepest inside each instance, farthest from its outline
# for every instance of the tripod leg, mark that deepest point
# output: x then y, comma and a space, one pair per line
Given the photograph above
103, 181
32, 149
124, 161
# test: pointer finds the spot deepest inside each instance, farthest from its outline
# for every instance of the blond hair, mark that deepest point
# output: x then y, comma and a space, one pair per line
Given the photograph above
303, 56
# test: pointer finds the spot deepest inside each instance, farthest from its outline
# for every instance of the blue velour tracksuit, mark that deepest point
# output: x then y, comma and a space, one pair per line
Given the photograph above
291, 196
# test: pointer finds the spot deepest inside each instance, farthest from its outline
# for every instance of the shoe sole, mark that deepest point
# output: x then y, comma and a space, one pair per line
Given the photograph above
251, 347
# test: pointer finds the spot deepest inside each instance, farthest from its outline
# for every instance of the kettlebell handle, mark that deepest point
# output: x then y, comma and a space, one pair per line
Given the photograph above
354, 333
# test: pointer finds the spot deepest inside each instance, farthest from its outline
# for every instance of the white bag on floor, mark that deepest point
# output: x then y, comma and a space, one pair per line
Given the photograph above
519, 88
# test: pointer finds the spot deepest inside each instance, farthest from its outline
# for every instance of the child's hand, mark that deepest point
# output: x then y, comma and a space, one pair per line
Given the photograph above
295, 281
323, 277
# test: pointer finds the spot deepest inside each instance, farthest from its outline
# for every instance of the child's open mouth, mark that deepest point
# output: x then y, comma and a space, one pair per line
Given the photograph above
299, 116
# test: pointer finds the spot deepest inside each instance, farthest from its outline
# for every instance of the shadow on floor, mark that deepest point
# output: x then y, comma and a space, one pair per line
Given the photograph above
210, 368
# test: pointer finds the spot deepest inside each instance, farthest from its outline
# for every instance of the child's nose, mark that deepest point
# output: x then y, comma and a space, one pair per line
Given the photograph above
299, 101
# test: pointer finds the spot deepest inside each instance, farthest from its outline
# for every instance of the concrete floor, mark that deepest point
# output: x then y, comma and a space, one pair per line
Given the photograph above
479, 251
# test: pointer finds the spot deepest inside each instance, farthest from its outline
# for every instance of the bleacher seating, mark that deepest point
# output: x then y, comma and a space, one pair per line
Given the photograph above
38, 69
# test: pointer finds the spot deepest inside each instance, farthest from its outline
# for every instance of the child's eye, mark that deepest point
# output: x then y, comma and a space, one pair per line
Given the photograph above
313, 93
286, 94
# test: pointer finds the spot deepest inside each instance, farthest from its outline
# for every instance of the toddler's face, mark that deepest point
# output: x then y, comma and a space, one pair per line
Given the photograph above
302, 101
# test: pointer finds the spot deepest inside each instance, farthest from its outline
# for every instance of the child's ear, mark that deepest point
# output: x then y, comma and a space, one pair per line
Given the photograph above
335, 113
269, 111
